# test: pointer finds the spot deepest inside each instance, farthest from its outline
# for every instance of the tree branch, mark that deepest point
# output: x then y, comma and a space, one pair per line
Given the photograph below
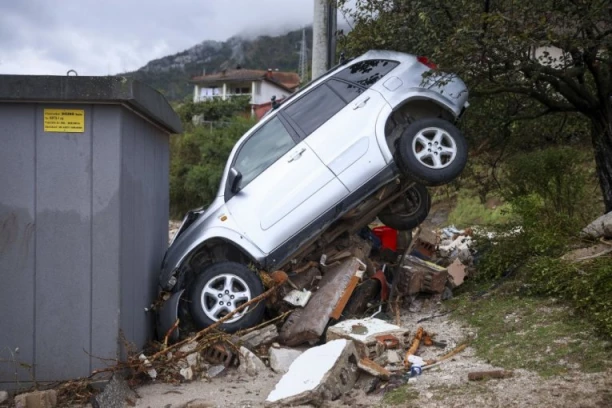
552, 105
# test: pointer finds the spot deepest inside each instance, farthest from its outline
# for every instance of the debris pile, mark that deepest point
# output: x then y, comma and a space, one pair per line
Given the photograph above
332, 318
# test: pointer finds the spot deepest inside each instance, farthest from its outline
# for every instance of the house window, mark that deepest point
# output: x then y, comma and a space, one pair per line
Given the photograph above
257, 88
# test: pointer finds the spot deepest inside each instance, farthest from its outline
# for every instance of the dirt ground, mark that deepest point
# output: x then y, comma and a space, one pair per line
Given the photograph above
443, 386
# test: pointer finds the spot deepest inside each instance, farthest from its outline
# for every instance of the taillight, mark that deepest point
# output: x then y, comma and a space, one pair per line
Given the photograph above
427, 62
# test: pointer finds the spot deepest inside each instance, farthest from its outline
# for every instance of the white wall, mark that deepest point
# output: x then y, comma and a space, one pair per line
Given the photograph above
267, 90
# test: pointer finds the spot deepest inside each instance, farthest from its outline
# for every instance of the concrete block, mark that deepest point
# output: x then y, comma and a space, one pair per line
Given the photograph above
371, 336
250, 363
265, 335
116, 393
308, 324
321, 373
282, 358
37, 399
393, 357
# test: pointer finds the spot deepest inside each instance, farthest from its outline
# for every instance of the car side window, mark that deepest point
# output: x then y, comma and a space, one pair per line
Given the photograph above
348, 91
367, 73
262, 149
315, 108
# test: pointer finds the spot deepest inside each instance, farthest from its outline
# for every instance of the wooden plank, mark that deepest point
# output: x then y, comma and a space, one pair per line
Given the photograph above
337, 312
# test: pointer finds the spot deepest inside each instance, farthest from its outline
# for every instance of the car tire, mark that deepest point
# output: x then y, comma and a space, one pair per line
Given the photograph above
408, 211
231, 284
432, 151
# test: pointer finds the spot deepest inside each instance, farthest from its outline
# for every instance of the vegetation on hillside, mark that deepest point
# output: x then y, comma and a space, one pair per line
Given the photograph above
171, 74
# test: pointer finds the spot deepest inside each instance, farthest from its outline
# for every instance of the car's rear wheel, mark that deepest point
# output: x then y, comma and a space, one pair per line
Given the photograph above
220, 289
432, 151
407, 211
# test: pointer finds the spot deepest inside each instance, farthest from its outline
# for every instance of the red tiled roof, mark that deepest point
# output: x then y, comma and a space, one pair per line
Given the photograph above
288, 80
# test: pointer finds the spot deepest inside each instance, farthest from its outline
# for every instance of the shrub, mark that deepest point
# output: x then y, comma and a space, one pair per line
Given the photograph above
586, 285
197, 163
548, 197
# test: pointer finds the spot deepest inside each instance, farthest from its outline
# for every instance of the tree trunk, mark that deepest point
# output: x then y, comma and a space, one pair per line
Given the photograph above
601, 134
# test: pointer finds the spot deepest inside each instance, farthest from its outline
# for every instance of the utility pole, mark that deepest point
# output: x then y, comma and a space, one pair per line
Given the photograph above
323, 36
332, 21
303, 65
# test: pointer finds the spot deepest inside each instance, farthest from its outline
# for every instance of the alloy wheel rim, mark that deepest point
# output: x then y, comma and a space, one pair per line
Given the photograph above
222, 295
434, 148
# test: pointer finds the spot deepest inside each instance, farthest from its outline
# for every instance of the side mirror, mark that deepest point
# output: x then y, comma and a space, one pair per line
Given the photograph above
233, 179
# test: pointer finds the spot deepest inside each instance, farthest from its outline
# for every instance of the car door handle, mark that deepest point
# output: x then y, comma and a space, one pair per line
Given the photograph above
361, 104
296, 155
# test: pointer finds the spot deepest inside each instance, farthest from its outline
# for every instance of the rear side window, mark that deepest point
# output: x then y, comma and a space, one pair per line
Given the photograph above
315, 108
367, 73
348, 91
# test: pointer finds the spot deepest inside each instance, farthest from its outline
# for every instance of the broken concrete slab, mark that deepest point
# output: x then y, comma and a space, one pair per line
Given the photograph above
348, 291
265, 335
373, 369
394, 357
308, 324
592, 252
371, 336
282, 358
601, 227
214, 371
116, 393
320, 373
250, 363
3, 397
38, 399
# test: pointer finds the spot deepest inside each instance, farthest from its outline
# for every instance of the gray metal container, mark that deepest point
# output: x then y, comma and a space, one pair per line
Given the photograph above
83, 221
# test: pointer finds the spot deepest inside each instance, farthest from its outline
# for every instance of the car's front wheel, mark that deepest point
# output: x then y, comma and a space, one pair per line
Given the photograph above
220, 289
432, 151
407, 211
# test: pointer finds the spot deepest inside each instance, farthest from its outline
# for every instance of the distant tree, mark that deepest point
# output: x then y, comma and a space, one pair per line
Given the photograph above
553, 56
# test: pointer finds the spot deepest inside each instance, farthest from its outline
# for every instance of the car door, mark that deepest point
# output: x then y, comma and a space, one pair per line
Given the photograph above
346, 143
284, 186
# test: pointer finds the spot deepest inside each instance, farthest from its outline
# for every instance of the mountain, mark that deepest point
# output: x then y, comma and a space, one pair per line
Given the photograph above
170, 74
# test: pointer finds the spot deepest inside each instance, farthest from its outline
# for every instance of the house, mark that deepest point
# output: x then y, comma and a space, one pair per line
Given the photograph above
260, 85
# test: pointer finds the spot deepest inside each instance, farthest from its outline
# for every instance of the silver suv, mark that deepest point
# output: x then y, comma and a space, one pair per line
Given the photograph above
360, 142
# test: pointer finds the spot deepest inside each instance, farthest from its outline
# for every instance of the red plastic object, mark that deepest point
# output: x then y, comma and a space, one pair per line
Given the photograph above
388, 236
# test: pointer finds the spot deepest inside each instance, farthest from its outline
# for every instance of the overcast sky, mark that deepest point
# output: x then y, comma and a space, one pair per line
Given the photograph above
98, 37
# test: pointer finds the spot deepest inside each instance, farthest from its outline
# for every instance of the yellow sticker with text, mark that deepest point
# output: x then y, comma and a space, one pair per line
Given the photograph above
64, 120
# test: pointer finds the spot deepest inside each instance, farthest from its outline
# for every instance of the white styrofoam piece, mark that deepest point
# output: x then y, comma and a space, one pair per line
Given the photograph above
307, 371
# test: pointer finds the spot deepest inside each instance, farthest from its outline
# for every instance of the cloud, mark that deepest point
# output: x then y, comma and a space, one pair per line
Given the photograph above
106, 37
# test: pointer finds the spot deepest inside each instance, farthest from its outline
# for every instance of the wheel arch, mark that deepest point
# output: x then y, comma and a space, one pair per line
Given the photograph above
411, 109
207, 250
